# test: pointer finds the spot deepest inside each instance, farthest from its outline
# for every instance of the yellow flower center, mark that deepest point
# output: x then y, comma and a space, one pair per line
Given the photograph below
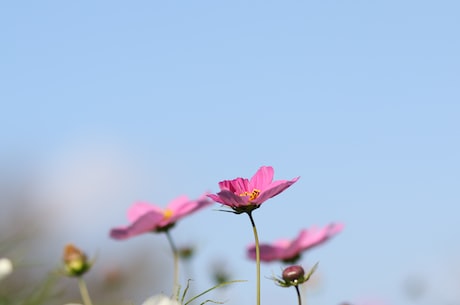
253, 195
167, 214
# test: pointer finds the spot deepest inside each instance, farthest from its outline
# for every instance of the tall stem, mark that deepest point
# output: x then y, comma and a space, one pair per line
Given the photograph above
176, 264
256, 239
84, 291
298, 294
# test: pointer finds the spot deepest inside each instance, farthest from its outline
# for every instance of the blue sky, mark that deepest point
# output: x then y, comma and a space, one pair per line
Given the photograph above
111, 102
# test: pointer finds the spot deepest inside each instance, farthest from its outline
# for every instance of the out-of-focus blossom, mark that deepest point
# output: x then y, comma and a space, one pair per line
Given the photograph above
6, 267
186, 253
160, 299
290, 250
145, 217
220, 272
244, 195
75, 261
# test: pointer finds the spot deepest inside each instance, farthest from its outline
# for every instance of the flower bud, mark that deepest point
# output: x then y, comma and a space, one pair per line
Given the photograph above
294, 276
186, 253
75, 261
293, 273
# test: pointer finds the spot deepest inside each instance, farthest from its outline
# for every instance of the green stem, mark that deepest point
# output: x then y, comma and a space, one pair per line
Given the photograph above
176, 264
84, 291
298, 294
256, 239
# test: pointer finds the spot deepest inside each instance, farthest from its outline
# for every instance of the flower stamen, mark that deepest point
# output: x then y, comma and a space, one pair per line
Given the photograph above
252, 196
167, 214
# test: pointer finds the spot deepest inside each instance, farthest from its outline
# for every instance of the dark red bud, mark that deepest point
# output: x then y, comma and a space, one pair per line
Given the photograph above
293, 273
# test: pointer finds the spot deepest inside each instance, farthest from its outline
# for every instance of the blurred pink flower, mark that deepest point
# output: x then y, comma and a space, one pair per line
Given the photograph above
290, 250
145, 217
244, 195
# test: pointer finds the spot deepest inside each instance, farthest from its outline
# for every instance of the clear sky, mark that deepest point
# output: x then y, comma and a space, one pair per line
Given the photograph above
108, 102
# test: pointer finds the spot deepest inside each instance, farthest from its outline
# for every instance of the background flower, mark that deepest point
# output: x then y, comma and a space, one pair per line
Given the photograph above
290, 250
145, 217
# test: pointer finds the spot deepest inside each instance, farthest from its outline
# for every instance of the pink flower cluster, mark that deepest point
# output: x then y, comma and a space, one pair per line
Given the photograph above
242, 195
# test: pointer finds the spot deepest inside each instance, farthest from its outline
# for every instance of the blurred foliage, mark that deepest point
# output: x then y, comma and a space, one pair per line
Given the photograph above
25, 240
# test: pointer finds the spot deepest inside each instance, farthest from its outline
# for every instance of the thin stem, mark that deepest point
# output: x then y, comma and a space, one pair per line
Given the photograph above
256, 239
84, 291
176, 264
298, 294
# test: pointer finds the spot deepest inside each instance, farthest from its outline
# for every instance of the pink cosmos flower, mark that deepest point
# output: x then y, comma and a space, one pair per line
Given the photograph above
145, 217
290, 250
244, 195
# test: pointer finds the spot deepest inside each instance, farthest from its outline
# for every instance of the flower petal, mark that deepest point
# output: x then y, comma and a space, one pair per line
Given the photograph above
262, 178
232, 200
238, 185
140, 208
146, 223
284, 249
268, 253
216, 198
274, 189
188, 207
309, 238
315, 236
178, 203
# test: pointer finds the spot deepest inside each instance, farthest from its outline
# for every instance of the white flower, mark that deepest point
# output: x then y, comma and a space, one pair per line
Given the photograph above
6, 267
160, 299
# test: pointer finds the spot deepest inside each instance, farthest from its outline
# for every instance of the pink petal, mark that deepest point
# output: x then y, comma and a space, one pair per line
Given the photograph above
215, 197
316, 236
190, 207
285, 248
143, 224
274, 189
268, 253
178, 203
262, 178
282, 243
232, 200
238, 185
336, 227
140, 208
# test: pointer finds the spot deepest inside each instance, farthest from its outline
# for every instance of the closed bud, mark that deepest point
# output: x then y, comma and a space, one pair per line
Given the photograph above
293, 273
186, 253
294, 276
75, 261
